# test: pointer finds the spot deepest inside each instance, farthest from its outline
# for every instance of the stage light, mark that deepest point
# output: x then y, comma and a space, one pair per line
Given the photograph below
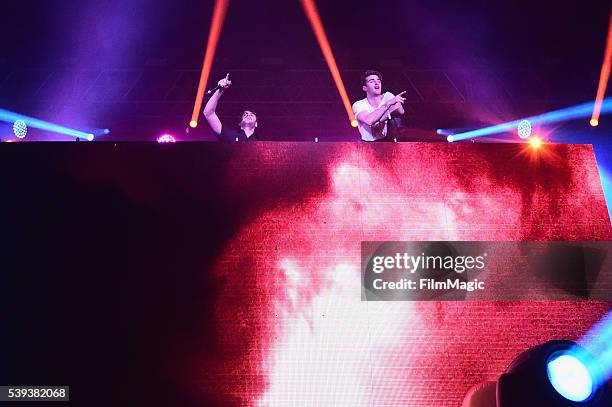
193, 124
354, 123
166, 138
106, 131
598, 342
20, 129
570, 113
557, 373
570, 377
594, 122
604, 75
524, 129
310, 8
450, 138
31, 122
535, 142
219, 13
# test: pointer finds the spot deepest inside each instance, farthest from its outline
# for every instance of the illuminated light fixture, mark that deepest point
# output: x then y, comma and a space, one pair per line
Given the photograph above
535, 142
557, 373
570, 377
100, 132
31, 122
604, 76
218, 18
354, 123
166, 138
569, 113
594, 122
310, 8
20, 129
524, 129
450, 138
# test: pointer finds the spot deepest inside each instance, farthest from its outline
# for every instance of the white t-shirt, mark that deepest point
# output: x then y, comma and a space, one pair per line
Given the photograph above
367, 133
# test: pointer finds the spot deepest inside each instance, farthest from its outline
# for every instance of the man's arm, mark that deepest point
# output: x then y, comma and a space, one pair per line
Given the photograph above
209, 111
397, 109
211, 106
380, 113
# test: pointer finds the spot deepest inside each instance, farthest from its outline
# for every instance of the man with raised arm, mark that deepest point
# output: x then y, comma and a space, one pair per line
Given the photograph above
376, 108
248, 121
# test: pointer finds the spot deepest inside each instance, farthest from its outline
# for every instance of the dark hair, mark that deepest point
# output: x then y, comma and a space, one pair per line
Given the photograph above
368, 73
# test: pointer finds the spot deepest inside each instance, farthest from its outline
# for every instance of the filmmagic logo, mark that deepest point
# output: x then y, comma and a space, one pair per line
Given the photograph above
422, 270
429, 284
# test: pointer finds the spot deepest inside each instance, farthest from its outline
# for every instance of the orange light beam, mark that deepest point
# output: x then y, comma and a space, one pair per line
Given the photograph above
216, 25
317, 26
603, 77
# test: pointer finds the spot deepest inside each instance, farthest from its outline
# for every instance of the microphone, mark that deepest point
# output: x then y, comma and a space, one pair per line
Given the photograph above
216, 88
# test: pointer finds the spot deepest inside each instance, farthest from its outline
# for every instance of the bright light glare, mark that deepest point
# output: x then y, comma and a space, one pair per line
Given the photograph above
535, 142
166, 138
570, 377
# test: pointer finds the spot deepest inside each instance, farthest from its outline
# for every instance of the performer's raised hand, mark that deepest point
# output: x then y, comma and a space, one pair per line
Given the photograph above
225, 82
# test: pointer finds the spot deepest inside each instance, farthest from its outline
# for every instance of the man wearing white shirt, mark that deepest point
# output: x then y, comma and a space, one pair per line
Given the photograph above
376, 109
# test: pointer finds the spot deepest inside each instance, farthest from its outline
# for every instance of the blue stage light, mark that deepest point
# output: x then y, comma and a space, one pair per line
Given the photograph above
450, 138
31, 122
557, 373
106, 131
20, 129
524, 129
570, 377
598, 342
570, 113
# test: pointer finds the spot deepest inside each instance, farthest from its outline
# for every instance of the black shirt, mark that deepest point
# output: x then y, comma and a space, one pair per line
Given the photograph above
228, 134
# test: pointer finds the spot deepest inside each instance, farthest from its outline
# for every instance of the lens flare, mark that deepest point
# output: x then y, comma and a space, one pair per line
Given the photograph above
535, 142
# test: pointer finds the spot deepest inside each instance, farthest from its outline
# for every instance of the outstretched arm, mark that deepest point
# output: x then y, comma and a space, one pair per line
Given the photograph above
211, 106
380, 113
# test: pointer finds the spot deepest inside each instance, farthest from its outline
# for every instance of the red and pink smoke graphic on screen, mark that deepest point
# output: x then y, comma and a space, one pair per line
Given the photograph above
291, 314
